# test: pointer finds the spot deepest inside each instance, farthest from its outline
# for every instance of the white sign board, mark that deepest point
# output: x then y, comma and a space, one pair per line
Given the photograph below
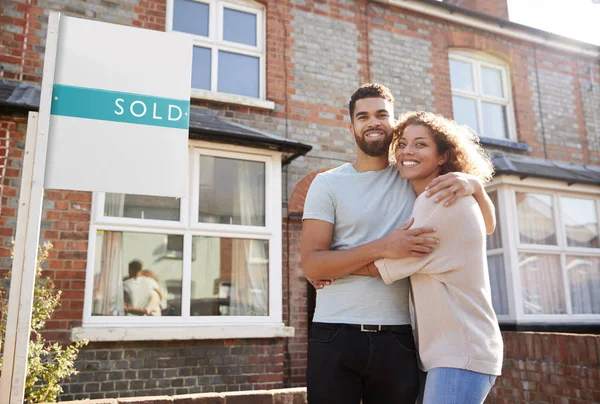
120, 110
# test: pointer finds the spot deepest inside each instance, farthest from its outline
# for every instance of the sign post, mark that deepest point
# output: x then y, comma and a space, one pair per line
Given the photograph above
113, 117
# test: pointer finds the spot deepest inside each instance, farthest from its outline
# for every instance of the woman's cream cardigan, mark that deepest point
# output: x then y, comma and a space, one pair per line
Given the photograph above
453, 319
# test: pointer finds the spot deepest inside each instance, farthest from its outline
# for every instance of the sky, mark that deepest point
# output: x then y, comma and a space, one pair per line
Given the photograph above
577, 19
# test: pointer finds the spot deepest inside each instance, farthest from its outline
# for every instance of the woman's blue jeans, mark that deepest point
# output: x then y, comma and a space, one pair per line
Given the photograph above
456, 386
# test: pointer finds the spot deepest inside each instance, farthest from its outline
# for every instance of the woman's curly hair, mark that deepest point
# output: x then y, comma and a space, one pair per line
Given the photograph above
460, 143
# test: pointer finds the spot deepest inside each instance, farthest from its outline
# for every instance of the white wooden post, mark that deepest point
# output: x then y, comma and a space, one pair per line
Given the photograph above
14, 366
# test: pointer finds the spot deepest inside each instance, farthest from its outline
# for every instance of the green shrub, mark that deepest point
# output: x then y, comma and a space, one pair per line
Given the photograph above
47, 364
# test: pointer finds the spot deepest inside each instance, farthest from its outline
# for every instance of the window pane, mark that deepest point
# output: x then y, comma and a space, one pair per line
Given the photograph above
141, 206
498, 284
239, 27
465, 112
584, 282
461, 75
201, 68
232, 191
494, 120
230, 277
135, 274
238, 74
191, 17
491, 82
495, 239
536, 219
581, 223
542, 284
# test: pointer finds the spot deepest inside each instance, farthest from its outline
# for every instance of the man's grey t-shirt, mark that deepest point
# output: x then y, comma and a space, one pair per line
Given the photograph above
362, 206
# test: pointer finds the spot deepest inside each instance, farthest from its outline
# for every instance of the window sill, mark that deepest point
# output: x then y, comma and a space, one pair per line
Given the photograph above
505, 144
169, 333
233, 99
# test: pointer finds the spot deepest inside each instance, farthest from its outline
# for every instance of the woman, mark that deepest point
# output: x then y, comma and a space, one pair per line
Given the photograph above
458, 338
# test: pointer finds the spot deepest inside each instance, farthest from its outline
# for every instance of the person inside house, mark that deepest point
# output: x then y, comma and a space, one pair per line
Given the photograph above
142, 292
361, 345
457, 334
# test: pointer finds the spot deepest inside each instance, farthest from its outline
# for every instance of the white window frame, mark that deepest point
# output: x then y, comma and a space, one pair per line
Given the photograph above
195, 327
478, 60
216, 43
507, 186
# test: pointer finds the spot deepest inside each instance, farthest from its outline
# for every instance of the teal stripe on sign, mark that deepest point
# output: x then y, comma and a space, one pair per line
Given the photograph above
105, 105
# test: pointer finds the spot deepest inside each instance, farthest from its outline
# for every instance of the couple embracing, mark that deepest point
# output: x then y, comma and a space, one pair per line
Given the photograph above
396, 251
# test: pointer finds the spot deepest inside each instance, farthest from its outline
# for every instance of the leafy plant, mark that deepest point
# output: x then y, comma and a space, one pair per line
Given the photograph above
47, 363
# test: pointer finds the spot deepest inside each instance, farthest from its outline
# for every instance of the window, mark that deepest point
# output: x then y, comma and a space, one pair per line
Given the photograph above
211, 258
553, 257
481, 94
228, 54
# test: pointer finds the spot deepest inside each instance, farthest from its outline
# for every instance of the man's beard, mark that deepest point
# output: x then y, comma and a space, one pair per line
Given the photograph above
374, 149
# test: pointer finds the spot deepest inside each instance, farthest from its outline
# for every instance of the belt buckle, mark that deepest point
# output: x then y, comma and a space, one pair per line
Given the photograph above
363, 329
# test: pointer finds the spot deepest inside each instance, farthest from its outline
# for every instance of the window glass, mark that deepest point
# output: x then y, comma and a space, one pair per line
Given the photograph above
580, 221
498, 283
461, 75
230, 277
136, 274
491, 82
494, 120
239, 27
494, 240
465, 112
231, 191
201, 65
238, 74
542, 284
584, 281
141, 207
191, 17
536, 219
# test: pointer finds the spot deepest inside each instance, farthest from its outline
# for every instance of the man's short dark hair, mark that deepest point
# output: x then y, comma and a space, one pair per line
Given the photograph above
135, 266
369, 90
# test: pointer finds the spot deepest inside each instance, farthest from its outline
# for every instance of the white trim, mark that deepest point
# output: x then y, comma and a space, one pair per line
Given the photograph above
272, 232
185, 333
497, 28
233, 99
477, 60
216, 43
546, 185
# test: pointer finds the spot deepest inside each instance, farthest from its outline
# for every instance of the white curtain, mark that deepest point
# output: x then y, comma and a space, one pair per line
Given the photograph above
584, 281
542, 284
109, 289
250, 280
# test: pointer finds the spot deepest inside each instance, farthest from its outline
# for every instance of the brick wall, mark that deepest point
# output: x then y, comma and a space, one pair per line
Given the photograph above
24, 24
496, 8
548, 368
127, 369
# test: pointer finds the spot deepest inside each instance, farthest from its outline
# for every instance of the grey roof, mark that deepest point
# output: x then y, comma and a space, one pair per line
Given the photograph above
21, 94
525, 166
206, 125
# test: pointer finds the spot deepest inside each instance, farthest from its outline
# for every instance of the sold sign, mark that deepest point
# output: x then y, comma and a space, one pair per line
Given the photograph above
104, 105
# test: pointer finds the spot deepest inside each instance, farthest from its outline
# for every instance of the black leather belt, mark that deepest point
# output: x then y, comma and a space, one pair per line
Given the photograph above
405, 328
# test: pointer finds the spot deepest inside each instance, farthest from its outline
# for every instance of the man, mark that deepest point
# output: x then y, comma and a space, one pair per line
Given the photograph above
361, 344
142, 293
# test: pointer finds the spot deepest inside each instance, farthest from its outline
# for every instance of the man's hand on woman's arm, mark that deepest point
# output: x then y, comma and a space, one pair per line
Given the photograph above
452, 186
321, 263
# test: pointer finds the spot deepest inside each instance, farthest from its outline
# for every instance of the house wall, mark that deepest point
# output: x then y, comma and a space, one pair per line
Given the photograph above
318, 52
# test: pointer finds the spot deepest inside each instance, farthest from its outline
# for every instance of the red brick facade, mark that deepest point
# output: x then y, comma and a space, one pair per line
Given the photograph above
538, 366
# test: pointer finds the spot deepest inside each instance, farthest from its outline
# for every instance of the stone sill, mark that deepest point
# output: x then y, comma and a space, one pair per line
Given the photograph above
276, 396
233, 99
170, 333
